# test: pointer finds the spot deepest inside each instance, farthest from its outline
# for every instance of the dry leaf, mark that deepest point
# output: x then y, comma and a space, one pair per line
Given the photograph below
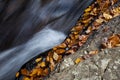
89, 30
93, 52
112, 41
55, 56
39, 72
67, 41
26, 78
71, 51
63, 45
107, 16
24, 72
38, 60
88, 9
100, 20
83, 38
86, 21
17, 74
80, 43
34, 72
60, 51
42, 64
78, 60
46, 72
117, 45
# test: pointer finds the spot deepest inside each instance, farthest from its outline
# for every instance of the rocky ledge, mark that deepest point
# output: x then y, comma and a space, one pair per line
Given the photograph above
103, 66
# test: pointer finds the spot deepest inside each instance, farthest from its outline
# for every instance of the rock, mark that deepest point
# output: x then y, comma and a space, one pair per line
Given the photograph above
103, 66
66, 63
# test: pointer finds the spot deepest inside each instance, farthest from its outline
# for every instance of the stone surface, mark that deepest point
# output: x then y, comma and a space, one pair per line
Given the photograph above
103, 66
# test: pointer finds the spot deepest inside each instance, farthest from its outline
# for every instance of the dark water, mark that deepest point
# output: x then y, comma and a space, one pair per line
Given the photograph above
30, 27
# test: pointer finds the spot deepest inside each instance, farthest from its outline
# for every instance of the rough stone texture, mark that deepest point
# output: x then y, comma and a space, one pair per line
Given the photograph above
103, 66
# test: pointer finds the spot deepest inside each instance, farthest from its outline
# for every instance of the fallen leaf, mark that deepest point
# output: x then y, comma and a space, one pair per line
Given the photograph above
24, 72
107, 16
38, 60
55, 56
78, 60
100, 20
26, 78
88, 9
42, 64
93, 52
17, 74
60, 51
71, 51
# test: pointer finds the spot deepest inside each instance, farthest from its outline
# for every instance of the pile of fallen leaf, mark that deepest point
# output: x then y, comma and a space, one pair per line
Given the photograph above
99, 12
112, 41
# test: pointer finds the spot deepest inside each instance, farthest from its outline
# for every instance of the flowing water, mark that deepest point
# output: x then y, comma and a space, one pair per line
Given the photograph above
28, 28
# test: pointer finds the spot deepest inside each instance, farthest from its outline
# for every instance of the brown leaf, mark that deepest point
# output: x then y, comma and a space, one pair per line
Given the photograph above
34, 72
83, 38
24, 72
107, 16
26, 78
55, 56
87, 20
67, 41
117, 45
46, 72
71, 51
39, 72
114, 40
93, 52
63, 45
60, 51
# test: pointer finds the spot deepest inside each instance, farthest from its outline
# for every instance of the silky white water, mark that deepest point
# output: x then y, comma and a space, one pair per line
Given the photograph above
28, 28
12, 59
